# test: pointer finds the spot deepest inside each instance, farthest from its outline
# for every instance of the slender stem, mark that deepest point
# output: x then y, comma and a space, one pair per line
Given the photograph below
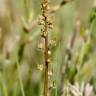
3, 85
26, 9
45, 13
19, 77
46, 66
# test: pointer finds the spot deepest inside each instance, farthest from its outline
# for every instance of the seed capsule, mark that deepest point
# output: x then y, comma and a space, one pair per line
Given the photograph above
40, 46
50, 73
40, 67
49, 52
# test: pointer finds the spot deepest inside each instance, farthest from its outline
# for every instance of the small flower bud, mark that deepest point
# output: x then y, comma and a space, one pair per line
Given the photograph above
40, 67
49, 52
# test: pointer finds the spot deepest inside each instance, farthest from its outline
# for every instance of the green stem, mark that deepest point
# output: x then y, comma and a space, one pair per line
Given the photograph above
26, 9
2, 83
20, 79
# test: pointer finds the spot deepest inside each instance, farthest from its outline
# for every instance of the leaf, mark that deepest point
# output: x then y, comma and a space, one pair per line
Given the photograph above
82, 31
85, 51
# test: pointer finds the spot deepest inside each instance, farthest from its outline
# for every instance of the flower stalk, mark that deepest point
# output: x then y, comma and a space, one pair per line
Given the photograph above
46, 23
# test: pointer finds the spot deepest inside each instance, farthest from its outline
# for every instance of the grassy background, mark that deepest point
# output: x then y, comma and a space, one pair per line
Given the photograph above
72, 49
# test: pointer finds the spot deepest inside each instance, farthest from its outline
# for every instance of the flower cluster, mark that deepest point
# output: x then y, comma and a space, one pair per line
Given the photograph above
46, 22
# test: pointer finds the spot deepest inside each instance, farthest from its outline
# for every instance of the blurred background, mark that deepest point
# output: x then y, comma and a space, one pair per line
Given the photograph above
72, 48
